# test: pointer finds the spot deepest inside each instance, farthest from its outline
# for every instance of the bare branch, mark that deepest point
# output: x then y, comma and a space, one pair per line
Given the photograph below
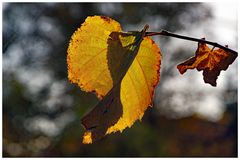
166, 33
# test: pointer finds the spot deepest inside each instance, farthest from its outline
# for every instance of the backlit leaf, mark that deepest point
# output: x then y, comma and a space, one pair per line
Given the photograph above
122, 68
87, 55
210, 61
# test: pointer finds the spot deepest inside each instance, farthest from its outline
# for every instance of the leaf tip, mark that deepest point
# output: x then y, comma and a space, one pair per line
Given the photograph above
87, 138
181, 69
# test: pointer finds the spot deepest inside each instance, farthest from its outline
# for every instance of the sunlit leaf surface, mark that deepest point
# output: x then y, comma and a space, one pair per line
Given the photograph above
121, 68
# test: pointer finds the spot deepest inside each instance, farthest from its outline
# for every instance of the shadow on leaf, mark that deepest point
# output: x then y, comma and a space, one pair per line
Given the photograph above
121, 51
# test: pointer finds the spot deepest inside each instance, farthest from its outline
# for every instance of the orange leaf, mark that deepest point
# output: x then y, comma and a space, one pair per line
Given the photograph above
122, 68
210, 61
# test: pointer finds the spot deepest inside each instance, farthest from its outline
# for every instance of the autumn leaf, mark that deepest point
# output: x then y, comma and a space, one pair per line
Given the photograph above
87, 55
210, 61
122, 68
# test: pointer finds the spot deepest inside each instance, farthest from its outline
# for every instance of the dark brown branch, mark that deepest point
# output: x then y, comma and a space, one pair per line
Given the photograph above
166, 33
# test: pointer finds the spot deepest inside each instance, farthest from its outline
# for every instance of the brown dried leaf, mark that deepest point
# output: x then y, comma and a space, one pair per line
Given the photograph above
210, 61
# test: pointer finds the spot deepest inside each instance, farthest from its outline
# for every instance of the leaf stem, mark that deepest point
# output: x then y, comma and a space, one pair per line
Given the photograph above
166, 33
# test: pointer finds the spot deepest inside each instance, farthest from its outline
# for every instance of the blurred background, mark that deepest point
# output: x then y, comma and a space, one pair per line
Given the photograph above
42, 109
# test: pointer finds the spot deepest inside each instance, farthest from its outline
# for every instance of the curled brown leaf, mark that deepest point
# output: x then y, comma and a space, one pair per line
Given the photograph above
211, 62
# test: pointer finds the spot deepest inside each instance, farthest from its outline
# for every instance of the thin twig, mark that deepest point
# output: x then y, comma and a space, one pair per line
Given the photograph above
166, 33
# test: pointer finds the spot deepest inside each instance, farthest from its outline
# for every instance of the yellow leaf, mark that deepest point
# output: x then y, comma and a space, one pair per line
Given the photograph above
87, 55
138, 85
123, 69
